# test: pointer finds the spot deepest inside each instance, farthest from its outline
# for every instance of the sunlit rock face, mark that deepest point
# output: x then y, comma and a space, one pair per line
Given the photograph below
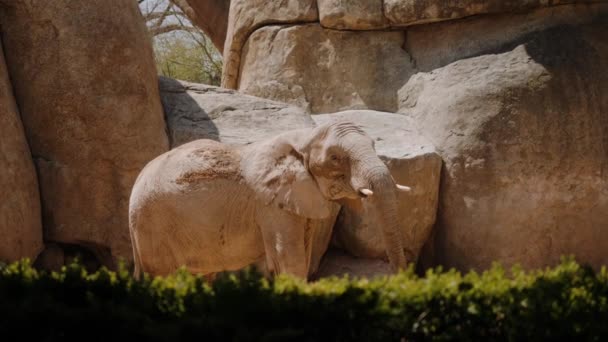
85, 84
508, 92
329, 55
523, 134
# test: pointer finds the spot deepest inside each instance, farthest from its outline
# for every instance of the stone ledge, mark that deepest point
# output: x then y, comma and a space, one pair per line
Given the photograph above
197, 111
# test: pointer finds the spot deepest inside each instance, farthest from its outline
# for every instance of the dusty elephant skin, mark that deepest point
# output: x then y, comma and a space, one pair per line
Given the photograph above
86, 86
523, 132
20, 222
214, 207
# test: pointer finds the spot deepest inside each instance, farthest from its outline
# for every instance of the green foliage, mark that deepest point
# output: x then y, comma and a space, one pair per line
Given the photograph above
189, 57
567, 302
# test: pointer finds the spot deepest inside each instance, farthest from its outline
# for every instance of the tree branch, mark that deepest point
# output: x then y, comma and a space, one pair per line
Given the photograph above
155, 31
158, 15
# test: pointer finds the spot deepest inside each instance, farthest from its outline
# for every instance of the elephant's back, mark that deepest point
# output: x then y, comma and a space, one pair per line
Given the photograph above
208, 160
190, 208
190, 165
200, 171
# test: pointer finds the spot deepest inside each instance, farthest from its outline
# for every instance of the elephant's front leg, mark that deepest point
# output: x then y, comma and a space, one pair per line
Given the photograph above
284, 241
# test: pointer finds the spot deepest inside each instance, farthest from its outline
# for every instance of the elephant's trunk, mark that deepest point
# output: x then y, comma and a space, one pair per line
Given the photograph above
374, 175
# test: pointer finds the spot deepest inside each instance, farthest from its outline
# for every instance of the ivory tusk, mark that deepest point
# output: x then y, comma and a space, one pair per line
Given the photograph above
403, 188
366, 192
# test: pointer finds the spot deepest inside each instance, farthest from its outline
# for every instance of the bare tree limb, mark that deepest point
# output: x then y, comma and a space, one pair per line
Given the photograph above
158, 15
204, 47
163, 16
155, 31
184, 7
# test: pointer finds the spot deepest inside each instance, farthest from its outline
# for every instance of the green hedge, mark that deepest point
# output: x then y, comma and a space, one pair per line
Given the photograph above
565, 302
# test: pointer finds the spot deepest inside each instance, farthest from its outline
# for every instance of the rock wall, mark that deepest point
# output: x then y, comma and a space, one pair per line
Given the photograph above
246, 16
510, 93
20, 222
330, 55
86, 86
523, 132
324, 70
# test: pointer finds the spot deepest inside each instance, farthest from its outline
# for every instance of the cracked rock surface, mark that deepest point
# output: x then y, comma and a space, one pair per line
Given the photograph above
258, 60
199, 111
325, 70
523, 133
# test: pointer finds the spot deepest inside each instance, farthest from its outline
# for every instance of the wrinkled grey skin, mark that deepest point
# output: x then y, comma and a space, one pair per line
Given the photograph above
212, 207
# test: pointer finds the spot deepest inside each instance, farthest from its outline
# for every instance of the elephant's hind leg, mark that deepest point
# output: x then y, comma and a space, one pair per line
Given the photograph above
284, 241
152, 231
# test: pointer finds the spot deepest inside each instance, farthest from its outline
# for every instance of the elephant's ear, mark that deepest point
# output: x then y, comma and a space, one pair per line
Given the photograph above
279, 177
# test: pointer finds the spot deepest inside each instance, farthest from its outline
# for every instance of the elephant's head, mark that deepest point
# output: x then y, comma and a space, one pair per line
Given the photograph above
305, 169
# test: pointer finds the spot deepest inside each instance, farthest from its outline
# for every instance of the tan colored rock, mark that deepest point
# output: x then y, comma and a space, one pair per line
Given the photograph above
199, 111
325, 70
352, 14
412, 160
246, 16
436, 45
86, 86
523, 133
410, 12
210, 15
20, 222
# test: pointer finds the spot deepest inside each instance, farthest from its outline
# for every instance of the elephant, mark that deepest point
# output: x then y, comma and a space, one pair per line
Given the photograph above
213, 207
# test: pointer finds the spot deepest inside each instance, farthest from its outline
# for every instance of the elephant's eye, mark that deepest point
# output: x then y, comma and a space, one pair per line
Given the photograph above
334, 157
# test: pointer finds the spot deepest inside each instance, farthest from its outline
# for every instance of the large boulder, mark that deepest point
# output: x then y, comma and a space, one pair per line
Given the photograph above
199, 111
436, 45
325, 70
20, 221
523, 131
86, 86
246, 16
413, 161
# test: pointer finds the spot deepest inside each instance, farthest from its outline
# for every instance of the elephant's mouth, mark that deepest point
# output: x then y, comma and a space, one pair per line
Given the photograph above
340, 191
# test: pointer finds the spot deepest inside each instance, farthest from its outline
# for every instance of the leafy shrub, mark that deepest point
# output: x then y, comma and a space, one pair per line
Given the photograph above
568, 302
